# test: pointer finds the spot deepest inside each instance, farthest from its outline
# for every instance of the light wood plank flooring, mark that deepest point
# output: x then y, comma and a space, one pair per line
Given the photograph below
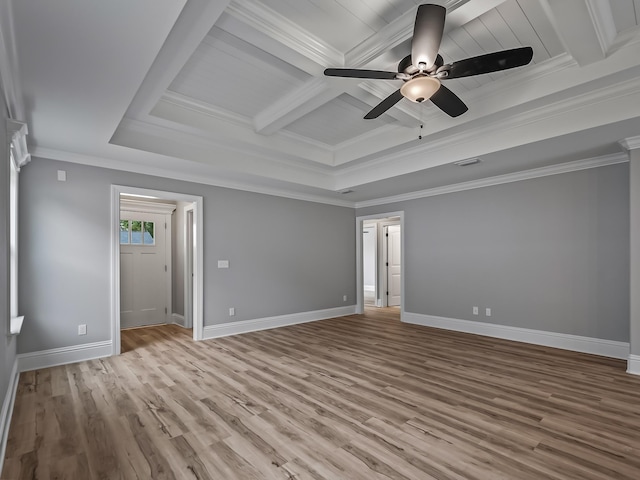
362, 397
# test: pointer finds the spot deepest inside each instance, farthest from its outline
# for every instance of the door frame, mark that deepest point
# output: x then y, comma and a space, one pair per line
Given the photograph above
189, 266
359, 257
383, 278
198, 254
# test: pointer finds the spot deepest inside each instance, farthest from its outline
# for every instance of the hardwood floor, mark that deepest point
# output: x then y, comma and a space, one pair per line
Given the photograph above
359, 397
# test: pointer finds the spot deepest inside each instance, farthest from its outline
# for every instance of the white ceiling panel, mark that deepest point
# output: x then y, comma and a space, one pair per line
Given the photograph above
337, 121
519, 24
244, 79
233, 75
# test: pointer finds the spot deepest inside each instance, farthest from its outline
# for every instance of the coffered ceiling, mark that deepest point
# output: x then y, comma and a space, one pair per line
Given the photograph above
233, 93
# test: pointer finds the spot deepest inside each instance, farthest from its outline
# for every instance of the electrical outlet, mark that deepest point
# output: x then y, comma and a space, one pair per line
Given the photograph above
475, 310
82, 329
232, 311
487, 312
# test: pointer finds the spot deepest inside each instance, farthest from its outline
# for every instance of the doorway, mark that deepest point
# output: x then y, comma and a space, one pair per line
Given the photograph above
191, 277
380, 261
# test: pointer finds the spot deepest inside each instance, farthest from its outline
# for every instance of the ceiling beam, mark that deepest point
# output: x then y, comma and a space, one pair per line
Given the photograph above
193, 24
591, 42
297, 103
287, 33
319, 91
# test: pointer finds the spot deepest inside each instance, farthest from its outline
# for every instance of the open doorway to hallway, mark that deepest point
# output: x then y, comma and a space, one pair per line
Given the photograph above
380, 261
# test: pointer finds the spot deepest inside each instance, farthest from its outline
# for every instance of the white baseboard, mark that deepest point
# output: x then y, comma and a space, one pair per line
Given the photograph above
64, 355
369, 288
595, 346
177, 319
633, 364
7, 410
246, 326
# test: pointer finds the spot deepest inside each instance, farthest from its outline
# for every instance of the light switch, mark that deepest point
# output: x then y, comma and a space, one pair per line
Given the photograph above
223, 263
62, 176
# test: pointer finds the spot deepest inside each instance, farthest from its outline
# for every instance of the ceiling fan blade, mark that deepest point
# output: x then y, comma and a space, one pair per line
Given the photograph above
356, 73
491, 62
384, 105
448, 102
427, 35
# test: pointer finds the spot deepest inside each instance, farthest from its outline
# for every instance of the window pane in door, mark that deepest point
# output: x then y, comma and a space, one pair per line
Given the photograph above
136, 232
149, 235
124, 231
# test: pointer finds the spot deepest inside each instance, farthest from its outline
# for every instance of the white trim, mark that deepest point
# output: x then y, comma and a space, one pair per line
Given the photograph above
633, 364
630, 143
129, 205
568, 167
246, 326
18, 132
7, 410
177, 319
275, 26
198, 253
16, 325
63, 355
576, 343
188, 266
360, 221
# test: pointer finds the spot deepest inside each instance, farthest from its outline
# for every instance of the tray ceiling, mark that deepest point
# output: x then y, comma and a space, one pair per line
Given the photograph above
233, 92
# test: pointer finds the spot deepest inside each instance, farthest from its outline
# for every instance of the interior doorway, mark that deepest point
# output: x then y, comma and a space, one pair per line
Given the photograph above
141, 305
380, 261
145, 262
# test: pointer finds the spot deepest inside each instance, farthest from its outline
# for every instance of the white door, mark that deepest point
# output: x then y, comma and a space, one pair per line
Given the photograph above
393, 265
143, 269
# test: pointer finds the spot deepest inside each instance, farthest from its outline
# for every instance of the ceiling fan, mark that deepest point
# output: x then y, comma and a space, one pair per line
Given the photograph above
423, 70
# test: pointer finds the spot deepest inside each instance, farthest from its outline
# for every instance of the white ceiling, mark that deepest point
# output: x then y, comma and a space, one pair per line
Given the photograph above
233, 92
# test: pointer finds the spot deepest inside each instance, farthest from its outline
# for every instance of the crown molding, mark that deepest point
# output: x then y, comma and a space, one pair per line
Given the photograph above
632, 143
549, 115
181, 174
262, 18
18, 133
280, 146
501, 179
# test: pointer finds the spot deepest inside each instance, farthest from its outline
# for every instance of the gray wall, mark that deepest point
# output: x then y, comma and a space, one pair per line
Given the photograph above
548, 254
286, 256
7, 344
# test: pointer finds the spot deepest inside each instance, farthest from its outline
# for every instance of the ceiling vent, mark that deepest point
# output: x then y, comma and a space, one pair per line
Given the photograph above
467, 162
344, 192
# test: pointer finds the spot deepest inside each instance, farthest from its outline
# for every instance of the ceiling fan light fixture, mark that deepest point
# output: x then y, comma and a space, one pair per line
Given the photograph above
419, 89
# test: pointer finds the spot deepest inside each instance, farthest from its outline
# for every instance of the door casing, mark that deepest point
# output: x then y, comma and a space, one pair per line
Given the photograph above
359, 256
198, 261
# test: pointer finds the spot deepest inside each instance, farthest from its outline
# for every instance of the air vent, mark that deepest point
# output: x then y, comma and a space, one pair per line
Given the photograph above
467, 162
344, 192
